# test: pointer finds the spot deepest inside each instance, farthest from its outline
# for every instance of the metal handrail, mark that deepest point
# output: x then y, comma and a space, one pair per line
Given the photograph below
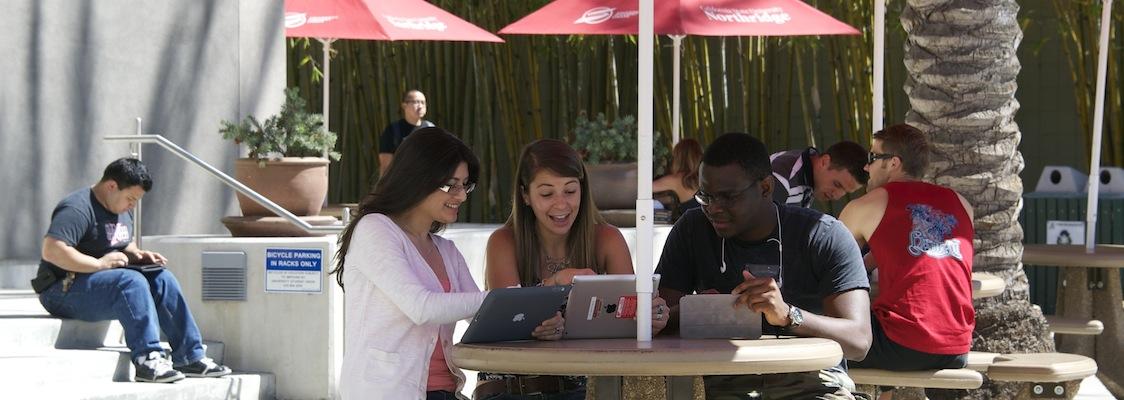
228, 180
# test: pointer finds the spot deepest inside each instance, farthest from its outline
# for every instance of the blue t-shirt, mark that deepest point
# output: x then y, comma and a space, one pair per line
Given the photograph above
80, 221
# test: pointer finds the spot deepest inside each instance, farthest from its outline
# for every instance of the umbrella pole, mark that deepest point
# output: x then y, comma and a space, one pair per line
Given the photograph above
327, 46
879, 64
676, 45
1098, 123
644, 203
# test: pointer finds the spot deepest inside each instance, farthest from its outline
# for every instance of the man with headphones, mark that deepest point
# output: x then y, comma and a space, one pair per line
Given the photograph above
820, 289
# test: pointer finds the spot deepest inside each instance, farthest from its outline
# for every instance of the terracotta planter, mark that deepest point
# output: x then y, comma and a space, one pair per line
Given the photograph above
613, 186
297, 184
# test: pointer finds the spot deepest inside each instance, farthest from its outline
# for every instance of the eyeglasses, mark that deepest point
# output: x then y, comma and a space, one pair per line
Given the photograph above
707, 199
454, 189
872, 157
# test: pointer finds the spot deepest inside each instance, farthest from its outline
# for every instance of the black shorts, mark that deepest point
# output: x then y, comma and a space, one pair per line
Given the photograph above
888, 355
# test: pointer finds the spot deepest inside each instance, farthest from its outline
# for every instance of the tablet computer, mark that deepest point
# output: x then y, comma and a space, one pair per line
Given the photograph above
514, 313
603, 306
145, 267
713, 316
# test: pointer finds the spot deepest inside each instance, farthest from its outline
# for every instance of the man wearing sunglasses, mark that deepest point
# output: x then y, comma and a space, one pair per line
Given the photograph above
819, 289
803, 175
920, 238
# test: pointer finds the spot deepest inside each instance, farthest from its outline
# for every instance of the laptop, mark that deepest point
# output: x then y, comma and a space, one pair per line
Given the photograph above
514, 313
712, 316
603, 307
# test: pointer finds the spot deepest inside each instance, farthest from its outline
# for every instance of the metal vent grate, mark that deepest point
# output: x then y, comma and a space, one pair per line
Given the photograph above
224, 275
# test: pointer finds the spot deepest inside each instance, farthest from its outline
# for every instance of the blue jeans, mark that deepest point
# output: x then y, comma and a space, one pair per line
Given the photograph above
143, 303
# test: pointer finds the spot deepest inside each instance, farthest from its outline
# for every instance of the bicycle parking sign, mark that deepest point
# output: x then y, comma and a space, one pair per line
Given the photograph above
294, 270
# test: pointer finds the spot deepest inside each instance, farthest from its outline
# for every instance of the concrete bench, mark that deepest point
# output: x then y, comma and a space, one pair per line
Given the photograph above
980, 361
1041, 367
1074, 326
986, 285
962, 378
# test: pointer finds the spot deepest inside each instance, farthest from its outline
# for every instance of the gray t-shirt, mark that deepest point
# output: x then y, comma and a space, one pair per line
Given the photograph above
80, 221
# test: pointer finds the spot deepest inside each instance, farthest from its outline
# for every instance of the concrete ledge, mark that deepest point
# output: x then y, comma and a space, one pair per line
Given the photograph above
1041, 367
1074, 326
962, 378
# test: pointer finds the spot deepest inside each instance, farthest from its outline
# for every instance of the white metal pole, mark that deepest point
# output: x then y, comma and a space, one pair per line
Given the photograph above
644, 204
879, 64
676, 45
136, 150
327, 46
1098, 119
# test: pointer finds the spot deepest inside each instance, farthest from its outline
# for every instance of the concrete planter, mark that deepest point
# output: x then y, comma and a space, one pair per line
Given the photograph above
613, 186
297, 184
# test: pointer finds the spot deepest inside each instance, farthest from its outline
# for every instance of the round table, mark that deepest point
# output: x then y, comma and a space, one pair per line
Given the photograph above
1093, 292
1104, 255
660, 357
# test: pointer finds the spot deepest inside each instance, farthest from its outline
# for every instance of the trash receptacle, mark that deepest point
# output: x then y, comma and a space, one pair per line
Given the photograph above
1045, 205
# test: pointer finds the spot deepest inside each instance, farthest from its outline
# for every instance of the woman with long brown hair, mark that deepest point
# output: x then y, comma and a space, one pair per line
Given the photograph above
405, 286
554, 233
683, 179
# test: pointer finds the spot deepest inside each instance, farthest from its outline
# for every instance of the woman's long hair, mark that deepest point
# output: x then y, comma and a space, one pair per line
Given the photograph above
558, 157
425, 160
685, 159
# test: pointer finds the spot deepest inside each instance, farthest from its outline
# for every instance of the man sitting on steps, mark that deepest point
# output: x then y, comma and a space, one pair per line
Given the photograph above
82, 276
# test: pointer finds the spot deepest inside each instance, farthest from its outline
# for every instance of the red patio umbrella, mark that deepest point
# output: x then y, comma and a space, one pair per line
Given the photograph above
328, 20
681, 17
675, 18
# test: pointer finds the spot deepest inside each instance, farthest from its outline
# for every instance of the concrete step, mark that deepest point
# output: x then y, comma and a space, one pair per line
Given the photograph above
50, 332
38, 367
244, 386
43, 366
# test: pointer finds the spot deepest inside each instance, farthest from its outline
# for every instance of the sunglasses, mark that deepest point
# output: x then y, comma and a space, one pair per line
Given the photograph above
872, 157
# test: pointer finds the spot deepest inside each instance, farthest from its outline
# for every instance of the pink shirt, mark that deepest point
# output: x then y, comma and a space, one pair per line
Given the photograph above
440, 378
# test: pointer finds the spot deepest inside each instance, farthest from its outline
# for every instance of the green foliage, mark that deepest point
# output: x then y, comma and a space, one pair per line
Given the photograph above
604, 142
292, 133
601, 141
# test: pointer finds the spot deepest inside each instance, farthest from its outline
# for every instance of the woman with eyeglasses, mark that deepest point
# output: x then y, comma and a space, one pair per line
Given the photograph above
553, 234
413, 118
405, 286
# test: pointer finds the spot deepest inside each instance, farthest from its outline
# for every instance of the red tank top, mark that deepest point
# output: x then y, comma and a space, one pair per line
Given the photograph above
923, 247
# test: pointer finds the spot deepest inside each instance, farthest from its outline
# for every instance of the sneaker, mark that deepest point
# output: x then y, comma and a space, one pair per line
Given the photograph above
204, 368
155, 368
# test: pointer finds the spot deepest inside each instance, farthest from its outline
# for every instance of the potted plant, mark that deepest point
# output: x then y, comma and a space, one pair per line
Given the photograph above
609, 149
285, 163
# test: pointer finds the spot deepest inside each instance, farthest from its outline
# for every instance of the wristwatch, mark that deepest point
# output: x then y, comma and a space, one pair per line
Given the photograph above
795, 318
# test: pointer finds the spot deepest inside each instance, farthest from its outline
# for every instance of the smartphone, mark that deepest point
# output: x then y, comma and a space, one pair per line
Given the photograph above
764, 270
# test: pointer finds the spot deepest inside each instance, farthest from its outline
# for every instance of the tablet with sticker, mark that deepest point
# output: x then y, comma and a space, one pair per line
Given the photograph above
603, 306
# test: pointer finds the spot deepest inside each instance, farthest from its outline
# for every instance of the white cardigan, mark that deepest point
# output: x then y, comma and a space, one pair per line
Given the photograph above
395, 308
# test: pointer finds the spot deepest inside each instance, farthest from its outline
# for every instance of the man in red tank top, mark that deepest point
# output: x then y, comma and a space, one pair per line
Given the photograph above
920, 238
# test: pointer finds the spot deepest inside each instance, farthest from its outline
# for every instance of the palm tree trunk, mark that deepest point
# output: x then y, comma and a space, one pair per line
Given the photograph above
962, 68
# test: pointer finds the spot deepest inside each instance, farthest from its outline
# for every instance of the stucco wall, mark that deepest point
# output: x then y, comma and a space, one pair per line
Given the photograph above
76, 71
